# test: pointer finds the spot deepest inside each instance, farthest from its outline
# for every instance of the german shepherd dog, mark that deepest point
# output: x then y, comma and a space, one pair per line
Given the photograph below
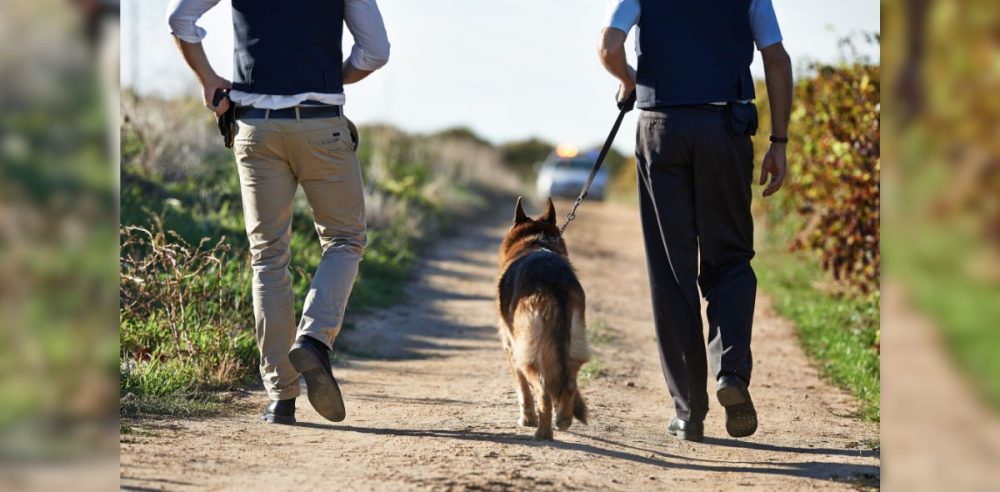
542, 325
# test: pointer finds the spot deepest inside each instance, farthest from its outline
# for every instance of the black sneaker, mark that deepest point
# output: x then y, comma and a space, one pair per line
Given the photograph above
280, 412
689, 431
311, 358
741, 416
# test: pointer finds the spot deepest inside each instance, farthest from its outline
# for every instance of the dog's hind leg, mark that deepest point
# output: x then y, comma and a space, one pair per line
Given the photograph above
528, 416
544, 404
573, 351
579, 354
524, 399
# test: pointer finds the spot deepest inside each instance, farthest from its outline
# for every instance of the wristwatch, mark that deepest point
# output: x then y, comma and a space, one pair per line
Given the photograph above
775, 139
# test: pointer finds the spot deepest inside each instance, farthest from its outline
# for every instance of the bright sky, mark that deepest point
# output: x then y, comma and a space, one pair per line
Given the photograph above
509, 69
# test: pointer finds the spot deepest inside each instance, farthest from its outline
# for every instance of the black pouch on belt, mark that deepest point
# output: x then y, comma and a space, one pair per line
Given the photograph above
741, 119
355, 138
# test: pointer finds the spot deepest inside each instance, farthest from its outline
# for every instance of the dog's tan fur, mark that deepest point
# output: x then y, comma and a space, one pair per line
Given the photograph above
542, 326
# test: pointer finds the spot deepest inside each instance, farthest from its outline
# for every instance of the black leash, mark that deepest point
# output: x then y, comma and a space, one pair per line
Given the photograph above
624, 106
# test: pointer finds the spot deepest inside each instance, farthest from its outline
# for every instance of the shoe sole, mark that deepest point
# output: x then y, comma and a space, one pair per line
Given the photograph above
741, 417
279, 419
321, 387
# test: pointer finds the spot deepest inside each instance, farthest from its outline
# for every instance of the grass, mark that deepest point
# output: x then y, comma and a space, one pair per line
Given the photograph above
961, 306
598, 334
839, 332
593, 369
950, 273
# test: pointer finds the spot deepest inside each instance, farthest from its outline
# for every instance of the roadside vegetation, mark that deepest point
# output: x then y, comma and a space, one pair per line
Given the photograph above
943, 242
819, 244
185, 303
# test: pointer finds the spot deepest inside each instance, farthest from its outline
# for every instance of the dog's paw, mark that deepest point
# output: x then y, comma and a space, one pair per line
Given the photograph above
528, 421
543, 434
563, 422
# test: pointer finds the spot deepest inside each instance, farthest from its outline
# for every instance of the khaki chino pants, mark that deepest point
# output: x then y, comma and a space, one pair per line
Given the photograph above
274, 157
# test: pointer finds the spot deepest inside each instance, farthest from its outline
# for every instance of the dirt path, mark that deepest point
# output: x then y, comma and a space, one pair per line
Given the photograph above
942, 437
432, 405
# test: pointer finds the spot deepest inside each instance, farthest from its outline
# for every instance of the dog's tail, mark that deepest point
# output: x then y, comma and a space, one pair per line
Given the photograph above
580, 407
561, 334
568, 337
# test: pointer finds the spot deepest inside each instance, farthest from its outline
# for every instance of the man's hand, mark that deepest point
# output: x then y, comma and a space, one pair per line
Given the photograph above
209, 86
627, 86
776, 166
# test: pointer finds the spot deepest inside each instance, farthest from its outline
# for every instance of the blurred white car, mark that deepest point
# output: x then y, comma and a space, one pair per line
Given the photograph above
565, 171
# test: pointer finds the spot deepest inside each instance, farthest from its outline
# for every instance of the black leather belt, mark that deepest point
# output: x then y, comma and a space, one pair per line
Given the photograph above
304, 112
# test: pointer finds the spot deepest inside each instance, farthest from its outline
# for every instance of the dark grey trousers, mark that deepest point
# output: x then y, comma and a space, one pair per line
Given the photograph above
694, 192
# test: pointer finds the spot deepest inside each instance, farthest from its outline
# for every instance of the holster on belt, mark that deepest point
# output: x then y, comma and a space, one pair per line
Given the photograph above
741, 119
354, 133
227, 120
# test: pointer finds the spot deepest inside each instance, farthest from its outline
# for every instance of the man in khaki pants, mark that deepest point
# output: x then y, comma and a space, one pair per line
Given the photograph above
288, 87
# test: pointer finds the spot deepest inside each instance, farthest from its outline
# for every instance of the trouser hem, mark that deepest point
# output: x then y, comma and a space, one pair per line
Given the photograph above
285, 394
318, 336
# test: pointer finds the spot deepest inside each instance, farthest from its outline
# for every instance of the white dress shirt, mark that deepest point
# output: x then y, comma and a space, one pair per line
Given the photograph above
362, 17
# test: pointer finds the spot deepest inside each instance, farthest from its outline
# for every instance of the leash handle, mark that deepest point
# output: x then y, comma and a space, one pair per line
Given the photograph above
624, 106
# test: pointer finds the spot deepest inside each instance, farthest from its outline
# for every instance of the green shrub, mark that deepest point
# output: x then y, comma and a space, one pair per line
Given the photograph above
831, 201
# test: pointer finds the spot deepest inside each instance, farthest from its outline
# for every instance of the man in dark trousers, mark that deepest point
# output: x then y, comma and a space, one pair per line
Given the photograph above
288, 86
695, 167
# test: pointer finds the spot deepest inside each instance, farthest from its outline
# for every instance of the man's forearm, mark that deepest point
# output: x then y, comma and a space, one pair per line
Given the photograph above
778, 74
195, 57
352, 74
612, 54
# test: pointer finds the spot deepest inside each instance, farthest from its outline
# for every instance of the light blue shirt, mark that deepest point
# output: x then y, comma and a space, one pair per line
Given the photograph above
624, 15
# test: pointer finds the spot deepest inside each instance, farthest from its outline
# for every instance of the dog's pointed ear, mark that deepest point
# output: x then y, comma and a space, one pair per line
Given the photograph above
519, 215
550, 213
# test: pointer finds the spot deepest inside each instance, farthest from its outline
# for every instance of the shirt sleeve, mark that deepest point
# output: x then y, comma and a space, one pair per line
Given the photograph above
764, 24
622, 14
371, 43
183, 15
